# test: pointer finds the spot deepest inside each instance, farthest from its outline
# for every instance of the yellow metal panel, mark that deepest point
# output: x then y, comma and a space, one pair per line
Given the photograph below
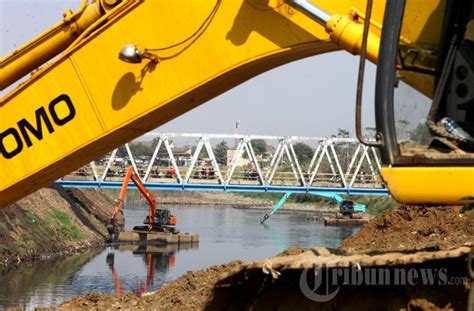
422, 21
425, 185
47, 45
232, 39
83, 127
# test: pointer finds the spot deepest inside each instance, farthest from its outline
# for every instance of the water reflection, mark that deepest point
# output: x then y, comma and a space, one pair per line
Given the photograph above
42, 283
157, 258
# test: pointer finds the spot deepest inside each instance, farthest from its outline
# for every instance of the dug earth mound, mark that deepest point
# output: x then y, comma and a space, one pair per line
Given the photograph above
53, 222
408, 228
391, 241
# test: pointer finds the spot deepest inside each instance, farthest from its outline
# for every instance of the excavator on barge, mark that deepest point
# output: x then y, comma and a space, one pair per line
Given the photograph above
113, 70
158, 220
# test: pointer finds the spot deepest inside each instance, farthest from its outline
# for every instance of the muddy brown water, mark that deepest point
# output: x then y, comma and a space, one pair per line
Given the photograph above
225, 234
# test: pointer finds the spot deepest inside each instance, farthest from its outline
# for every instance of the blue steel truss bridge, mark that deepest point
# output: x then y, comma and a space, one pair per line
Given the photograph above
242, 163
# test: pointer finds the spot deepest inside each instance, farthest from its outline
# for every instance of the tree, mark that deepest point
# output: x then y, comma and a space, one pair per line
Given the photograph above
140, 149
344, 150
121, 152
154, 142
259, 146
202, 153
220, 151
304, 152
342, 133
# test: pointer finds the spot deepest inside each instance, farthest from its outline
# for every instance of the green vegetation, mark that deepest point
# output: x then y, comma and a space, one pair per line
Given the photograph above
220, 151
304, 153
3, 249
61, 222
342, 133
25, 246
33, 218
259, 146
140, 149
18, 223
376, 205
4, 231
37, 224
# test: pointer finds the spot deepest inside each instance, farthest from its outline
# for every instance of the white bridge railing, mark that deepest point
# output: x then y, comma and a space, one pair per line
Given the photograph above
334, 162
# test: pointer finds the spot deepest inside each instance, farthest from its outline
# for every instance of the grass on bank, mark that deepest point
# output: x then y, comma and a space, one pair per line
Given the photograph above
63, 225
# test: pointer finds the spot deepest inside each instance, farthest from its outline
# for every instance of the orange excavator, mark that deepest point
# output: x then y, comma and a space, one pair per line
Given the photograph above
158, 220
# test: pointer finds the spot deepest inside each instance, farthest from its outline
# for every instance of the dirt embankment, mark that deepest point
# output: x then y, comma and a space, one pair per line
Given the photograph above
233, 284
407, 228
53, 222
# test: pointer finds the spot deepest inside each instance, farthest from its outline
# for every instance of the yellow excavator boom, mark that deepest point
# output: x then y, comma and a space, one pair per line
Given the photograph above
87, 101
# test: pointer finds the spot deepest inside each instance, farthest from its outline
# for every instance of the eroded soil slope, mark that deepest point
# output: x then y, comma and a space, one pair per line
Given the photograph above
53, 221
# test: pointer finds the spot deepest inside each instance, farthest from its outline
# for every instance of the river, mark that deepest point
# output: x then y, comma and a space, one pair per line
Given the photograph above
225, 234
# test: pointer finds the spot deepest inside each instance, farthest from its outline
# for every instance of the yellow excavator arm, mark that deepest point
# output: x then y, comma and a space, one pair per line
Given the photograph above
87, 101
123, 68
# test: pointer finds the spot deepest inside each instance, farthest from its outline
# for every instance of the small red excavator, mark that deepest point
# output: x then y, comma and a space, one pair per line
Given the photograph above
158, 220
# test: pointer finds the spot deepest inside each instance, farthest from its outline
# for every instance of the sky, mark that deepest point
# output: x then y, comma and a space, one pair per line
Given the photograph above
310, 97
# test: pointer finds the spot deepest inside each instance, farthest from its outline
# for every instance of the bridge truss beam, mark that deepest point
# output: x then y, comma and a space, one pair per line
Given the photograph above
337, 165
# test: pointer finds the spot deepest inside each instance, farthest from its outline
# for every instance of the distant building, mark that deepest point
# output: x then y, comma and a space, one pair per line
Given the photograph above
182, 155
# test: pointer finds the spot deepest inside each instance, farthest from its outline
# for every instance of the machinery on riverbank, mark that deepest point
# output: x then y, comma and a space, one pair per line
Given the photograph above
158, 220
347, 207
350, 213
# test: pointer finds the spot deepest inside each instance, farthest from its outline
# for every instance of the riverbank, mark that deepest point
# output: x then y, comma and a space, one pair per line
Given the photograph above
376, 205
53, 222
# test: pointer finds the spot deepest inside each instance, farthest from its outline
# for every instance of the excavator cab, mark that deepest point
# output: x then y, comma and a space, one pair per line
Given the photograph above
347, 208
164, 217
424, 101
163, 221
